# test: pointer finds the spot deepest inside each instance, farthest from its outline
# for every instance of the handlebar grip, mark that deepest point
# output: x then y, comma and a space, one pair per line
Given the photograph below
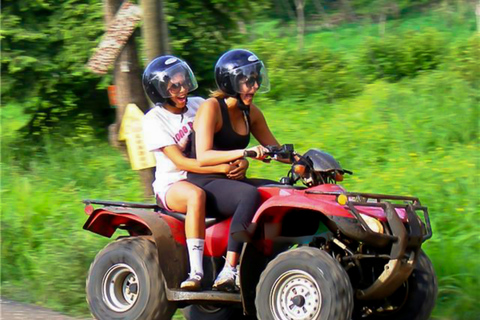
250, 153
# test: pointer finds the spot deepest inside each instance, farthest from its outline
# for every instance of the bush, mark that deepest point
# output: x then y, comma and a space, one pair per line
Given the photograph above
313, 73
465, 59
405, 55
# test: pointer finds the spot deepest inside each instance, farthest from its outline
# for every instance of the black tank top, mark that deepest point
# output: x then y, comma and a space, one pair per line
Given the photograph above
226, 138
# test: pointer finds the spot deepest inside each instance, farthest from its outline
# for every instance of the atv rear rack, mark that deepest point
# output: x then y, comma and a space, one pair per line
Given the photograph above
123, 204
153, 206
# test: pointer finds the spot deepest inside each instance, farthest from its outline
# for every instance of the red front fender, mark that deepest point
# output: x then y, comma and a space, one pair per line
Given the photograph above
275, 208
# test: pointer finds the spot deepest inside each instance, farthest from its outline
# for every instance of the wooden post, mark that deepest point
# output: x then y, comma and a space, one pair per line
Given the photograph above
477, 13
127, 79
155, 29
299, 5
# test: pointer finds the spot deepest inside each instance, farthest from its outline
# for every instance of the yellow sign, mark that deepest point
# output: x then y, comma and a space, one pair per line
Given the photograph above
131, 131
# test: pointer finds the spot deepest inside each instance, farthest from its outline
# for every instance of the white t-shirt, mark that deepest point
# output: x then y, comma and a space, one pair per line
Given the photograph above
162, 128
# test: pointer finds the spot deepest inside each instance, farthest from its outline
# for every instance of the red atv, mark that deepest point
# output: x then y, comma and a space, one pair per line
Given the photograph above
313, 252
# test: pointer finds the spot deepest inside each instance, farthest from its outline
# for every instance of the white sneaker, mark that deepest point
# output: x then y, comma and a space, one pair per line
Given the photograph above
237, 281
193, 283
226, 280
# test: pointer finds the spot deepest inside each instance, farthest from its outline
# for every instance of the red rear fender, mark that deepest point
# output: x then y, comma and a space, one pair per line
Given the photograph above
105, 222
167, 232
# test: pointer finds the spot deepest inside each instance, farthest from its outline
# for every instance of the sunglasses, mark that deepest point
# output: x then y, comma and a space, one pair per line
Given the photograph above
177, 87
250, 81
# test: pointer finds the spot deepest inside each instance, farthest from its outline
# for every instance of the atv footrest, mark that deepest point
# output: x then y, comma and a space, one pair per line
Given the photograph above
212, 296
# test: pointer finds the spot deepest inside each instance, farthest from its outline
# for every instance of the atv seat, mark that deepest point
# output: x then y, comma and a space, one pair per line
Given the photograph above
181, 216
282, 186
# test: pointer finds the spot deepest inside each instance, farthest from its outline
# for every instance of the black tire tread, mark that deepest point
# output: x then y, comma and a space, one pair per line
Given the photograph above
421, 302
340, 280
145, 249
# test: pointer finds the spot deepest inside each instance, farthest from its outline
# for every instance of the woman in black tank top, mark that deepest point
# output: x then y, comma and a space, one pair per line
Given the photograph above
222, 130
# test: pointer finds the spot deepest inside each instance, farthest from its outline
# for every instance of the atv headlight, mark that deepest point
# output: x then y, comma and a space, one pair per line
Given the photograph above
372, 223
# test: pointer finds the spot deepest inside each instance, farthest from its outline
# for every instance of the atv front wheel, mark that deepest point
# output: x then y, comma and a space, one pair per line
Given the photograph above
304, 284
414, 300
125, 282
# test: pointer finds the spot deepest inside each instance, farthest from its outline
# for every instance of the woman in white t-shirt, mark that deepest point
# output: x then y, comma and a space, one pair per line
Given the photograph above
167, 80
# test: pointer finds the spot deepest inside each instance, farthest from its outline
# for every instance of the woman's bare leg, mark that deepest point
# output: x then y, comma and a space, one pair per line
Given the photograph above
232, 258
186, 197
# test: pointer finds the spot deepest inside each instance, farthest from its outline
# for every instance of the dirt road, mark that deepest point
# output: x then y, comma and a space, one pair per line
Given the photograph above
11, 310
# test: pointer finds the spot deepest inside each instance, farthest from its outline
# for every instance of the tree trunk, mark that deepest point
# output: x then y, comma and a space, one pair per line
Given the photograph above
299, 5
157, 43
155, 29
347, 10
382, 24
127, 80
477, 13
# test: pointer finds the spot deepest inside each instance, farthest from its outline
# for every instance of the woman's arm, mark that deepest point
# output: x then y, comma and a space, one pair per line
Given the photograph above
192, 165
205, 123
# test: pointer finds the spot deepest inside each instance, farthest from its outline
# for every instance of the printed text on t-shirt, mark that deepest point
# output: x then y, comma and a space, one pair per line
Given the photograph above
185, 131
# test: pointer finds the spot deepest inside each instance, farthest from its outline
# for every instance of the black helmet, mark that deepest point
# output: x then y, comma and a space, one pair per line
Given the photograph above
238, 66
160, 72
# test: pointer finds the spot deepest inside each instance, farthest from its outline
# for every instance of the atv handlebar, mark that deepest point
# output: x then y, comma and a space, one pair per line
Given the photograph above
285, 151
250, 153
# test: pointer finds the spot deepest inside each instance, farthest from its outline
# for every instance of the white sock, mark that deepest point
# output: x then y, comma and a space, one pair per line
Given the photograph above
228, 266
195, 253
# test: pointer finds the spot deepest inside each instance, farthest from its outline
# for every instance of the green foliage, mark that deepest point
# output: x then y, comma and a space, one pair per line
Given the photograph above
333, 77
45, 45
199, 38
464, 59
402, 55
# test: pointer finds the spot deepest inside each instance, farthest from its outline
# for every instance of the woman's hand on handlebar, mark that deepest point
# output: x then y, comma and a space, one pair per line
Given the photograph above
260, 152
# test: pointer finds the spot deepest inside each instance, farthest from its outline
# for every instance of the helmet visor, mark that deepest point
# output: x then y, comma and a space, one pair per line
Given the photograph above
250, 77
175, 80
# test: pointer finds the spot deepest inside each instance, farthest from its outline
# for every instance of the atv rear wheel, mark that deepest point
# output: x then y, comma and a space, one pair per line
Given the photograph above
414, 300
304, 284
125, 282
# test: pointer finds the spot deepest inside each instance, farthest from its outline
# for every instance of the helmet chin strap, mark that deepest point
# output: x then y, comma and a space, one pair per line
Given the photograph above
242, 106
245, 109
174, 104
